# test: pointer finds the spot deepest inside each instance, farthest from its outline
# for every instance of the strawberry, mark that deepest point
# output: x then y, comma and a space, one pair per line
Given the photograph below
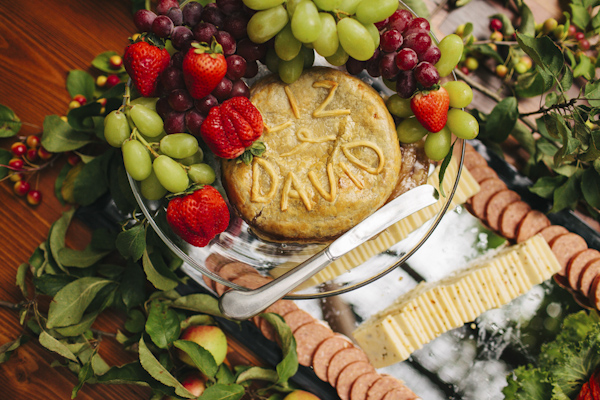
203, 68
232, 127
144, 62
199, 216
431, 108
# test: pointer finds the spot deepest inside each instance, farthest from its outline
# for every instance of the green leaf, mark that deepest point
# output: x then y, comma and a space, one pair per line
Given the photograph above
202, 358
258, 373
92, 180
524, 136
502, 119
81, 258
59, 137
567, 79
590, 187
53, 344
79, 328
487, 51
132, 242
527, 26
288, 366
133, 286
101, 62
7, 349
223, 392
593, 151
162, 324
5, 157
71, 301
56, 236
200, 303
155, 269
443, 168
224, 375
21, 278
592, 93
50, 284
568, 194
80, 82
419, 7
85, 374
580, 15
81, 118
10, 124
134, 373
158, 372
531, 84
136, 321
544, 53
58, 183
551, 99
584, 68
545, 186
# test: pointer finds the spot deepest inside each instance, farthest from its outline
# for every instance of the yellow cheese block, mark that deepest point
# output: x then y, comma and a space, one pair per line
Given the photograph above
433, 308
467, 187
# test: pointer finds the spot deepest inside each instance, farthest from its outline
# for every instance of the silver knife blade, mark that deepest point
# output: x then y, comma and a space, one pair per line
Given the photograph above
244, 304
402, 206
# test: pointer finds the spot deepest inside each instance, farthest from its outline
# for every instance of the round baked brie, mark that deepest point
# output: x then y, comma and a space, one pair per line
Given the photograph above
332, 158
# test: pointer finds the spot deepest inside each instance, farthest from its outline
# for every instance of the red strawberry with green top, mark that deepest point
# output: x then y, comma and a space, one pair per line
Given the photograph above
232, 127
431, 108
203, 68
144, 62
199, 216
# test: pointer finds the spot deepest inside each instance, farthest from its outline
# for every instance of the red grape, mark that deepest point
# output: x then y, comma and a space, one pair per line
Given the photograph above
193, 121
391, 40
354, 66
227, 41
251, 69
192, 12
229, 6
143, 20
407, 59
180, 100
406, 84
181, 37
431, 55
213, 15
204, 31
172, 78
236, 67
426, 74
176, 15
239, 88
162, 26
204, 104
174, 122
399, 20
420, 23
236, 25
163, 6
223, 89
388, 67
250, 50
419, 42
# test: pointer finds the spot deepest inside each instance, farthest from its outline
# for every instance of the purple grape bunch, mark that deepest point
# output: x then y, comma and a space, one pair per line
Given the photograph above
406, 54
224, 21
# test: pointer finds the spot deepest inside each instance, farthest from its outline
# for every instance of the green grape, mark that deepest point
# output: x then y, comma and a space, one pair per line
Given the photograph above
355, 39
179, 145
328, 5
286, 45
262, 4
375, 35
462, 124
201, 173
272, 61
148, 102
148, 122
291, 70
136, 160
371, 11
170, 174
291, 6
460, 93
410, 130
389, 84
195, 158
398, 106
151, 188
327, 43
451, 49
339, 58
116, 128
437, 144
265, 24
306, 24
154, 139
349, 6
309, 56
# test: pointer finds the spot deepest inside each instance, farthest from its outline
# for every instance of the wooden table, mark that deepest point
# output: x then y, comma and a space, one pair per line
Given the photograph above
40, 41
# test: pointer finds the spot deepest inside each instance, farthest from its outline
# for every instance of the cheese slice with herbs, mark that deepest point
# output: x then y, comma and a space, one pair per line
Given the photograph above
431, 309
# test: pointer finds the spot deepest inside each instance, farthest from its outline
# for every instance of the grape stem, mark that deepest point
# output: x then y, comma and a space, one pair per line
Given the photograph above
135, 133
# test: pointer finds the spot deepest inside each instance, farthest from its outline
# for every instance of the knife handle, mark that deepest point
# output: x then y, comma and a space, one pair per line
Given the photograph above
243, 304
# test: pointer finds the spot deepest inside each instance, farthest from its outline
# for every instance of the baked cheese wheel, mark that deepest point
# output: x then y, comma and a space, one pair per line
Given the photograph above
332, 158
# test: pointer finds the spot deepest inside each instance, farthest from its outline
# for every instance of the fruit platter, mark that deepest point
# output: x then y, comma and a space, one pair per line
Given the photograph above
227, 143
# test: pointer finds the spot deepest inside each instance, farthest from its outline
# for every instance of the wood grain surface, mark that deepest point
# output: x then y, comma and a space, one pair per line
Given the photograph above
40, 41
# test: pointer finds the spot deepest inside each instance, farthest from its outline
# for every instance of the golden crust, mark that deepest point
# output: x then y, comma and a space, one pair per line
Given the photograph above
332, 158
